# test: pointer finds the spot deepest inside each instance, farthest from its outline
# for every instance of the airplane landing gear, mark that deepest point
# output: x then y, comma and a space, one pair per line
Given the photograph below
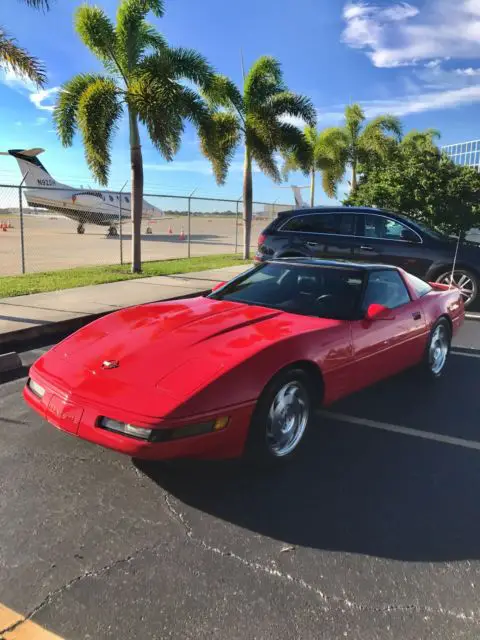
112, 232
81, 229
149, 231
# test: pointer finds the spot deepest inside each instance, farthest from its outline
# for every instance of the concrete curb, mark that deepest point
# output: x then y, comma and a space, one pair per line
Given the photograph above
23, 339
9, 362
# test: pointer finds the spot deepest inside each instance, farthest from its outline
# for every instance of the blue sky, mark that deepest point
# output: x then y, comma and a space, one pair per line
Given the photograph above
419, 60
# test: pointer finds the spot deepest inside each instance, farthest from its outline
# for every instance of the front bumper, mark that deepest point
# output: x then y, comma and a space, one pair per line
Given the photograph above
78, 418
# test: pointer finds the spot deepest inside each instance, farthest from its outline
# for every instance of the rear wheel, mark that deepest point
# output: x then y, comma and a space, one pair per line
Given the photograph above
281, 418
81, 229
438, 349
465, 280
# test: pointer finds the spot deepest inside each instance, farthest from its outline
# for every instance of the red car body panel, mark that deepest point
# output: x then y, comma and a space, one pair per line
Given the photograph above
191, 361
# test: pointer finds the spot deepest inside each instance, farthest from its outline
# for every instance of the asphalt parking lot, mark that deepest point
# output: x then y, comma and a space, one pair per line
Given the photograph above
373, 532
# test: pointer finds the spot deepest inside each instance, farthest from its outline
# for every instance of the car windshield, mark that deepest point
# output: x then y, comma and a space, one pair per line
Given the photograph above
435, 233
314, 290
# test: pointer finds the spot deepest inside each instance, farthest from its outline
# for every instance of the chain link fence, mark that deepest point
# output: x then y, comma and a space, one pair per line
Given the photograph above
46, 229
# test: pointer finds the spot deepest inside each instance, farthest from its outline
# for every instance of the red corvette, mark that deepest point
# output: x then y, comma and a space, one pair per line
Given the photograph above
242, 369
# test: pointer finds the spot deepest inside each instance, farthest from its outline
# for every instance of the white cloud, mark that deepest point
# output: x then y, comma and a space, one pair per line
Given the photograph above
40, 121
403, 35
44, 95
41, 98
407, 105
11, 79
469, 72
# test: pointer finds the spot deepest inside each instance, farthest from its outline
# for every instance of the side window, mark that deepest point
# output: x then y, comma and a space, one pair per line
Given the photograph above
331, 223
386, 288
387, 229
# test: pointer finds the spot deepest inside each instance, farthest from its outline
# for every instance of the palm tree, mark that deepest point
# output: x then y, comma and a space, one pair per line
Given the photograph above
144, 77
325, 153
364, 144
19, 60
257, 117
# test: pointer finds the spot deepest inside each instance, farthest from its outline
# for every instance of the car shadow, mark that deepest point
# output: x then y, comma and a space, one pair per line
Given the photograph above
350, 489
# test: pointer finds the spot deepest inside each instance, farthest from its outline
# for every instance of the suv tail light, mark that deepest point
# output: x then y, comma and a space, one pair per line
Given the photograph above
261, 239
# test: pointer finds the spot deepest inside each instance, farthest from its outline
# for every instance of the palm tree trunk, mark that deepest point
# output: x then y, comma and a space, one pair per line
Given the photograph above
247, 203
354, 177
137, 191
312, 188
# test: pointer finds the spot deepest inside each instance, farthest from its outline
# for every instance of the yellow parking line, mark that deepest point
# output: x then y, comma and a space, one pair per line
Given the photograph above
25, 629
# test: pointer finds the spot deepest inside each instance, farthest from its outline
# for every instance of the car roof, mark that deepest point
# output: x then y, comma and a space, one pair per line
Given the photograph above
331, 209
338, 264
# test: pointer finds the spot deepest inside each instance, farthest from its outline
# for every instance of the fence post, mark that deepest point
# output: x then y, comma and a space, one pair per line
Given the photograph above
236, 225
20, 207
120, 221
188, 222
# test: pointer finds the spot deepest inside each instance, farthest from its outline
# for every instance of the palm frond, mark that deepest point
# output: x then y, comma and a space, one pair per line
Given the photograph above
263, 81
427, 137
158, 106
133, 34
188, 64
98, 113
97, 33
311, 135
263, 154
150, 38
354, 118
222, 92
65, 111
219, 138
20, 61
192, 107
157, 7
384, 125
291, 163
291, 104
37, 4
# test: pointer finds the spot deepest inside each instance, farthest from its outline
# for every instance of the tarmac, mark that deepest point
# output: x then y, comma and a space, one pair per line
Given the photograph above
24, 319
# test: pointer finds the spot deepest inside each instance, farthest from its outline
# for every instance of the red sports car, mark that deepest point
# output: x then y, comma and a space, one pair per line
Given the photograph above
242, 369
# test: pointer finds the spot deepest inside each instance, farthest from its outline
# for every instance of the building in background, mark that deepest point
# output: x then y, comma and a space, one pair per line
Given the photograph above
464, 153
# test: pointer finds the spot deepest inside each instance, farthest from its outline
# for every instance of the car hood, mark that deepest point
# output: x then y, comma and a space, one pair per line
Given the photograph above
170, 347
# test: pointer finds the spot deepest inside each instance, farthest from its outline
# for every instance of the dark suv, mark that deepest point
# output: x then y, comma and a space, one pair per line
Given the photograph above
372, 235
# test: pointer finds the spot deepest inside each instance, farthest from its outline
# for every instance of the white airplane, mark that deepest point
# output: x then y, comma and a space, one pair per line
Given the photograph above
297, 194
85, 206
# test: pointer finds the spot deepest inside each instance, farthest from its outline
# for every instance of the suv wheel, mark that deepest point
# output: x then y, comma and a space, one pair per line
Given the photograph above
465, 280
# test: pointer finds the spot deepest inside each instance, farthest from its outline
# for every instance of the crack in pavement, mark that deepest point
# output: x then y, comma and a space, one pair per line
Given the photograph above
344, 603
92, 573
177, 516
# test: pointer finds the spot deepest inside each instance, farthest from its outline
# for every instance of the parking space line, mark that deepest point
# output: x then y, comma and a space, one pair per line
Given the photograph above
21, 629
407, 431
454, 352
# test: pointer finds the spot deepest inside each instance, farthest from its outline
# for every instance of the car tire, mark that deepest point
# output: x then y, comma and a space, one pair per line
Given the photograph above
438, 349
465, 280
281, 418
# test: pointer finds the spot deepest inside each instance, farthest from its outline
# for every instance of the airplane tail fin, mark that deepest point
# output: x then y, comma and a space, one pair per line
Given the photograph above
33, 171
297, 194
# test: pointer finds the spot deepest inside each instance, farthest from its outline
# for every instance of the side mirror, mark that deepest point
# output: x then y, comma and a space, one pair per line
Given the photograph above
379, 312
219, 285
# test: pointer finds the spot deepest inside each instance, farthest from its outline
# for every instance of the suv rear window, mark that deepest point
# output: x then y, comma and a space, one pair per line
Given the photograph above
334, 223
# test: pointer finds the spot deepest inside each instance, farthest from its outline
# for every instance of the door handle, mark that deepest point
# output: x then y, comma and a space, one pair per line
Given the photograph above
312, 244
365, 247
416, 315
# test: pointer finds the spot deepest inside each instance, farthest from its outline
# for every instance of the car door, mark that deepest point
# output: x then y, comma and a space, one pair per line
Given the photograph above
329, 235
384, 347
388, 241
